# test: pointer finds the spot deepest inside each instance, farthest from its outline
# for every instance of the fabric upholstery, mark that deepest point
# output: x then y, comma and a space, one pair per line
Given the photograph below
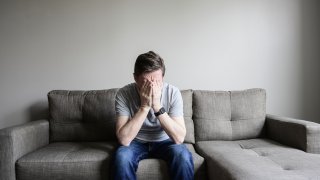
229, 115
199, 164
296, 133
89, 160
17, 141
67, 160
90, 116
157, 169
257, 159
226, 127
82, 115
187, 110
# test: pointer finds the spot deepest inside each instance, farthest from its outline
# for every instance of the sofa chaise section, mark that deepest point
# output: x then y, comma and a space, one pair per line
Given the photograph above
258, 159
239, 141
297, 157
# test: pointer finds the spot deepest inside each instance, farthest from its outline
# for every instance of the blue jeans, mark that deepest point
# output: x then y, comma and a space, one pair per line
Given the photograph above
177, 156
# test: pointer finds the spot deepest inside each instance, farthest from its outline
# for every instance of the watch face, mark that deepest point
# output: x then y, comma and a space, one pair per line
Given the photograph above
161, 111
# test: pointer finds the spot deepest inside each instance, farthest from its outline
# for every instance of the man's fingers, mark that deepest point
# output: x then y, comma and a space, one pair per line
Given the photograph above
149, 86
153, 91
150, 91
145, 86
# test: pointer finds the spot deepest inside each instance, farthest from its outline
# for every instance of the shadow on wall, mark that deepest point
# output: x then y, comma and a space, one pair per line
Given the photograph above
39, 110
36, 111
310, 51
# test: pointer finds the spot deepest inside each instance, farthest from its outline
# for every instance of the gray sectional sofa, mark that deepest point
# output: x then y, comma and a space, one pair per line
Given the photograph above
228, 133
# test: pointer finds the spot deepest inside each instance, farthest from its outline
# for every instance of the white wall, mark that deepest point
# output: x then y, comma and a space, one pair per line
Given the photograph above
213, 45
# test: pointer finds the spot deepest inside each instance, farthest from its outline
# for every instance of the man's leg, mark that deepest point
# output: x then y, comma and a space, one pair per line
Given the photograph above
127, 158
178, 158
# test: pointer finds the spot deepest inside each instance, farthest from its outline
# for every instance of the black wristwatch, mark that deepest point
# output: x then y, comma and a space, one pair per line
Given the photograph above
161, 111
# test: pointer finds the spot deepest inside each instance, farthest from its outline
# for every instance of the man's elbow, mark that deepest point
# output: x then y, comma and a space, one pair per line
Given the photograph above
178, 140
124, 141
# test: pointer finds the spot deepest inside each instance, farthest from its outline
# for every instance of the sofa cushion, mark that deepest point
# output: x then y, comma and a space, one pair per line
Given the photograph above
257, 159
228, 115
90, 115
82, 115
66, 160
187, 111
90, 160
157, 169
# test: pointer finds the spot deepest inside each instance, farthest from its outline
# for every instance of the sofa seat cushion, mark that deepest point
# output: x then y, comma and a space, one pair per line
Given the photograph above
157, 169
90, 160
257, 159
67, 160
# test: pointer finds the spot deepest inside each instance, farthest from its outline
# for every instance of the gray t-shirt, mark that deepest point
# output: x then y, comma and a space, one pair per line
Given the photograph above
128, 103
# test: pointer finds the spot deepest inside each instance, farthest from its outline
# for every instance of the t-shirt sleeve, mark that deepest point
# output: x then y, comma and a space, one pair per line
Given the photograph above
176, 105
121, 105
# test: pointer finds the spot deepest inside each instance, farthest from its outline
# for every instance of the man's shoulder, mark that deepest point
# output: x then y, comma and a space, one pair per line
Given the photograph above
171, 88
126, 91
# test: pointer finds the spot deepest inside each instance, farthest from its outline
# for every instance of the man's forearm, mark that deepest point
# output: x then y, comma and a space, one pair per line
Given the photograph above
130, 130
176, 131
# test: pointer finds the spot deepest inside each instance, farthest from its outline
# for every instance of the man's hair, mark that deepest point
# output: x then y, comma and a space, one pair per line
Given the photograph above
148, 62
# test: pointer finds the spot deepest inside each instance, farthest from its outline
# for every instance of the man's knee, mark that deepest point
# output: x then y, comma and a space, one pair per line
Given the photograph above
186, 156
182, 154
123, 156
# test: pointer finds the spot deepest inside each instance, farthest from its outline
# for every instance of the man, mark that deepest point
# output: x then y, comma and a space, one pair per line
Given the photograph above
150, 122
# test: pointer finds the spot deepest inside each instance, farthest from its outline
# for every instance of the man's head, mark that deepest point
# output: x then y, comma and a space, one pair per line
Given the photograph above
148, 66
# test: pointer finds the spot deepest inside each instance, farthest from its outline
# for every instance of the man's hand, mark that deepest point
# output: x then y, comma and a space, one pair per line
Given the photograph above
156, 95
146, 95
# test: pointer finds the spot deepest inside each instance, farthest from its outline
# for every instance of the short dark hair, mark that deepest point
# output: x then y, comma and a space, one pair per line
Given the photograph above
148, 62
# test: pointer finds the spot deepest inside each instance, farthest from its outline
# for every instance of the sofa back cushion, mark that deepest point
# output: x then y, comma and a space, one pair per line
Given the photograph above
90, 115
82, 115
228, 115
187, 112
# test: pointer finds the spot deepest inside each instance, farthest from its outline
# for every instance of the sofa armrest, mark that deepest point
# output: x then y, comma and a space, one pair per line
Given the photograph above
301, 134
19, 140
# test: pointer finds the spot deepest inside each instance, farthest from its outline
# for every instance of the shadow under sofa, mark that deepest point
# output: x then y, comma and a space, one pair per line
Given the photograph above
228, 132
